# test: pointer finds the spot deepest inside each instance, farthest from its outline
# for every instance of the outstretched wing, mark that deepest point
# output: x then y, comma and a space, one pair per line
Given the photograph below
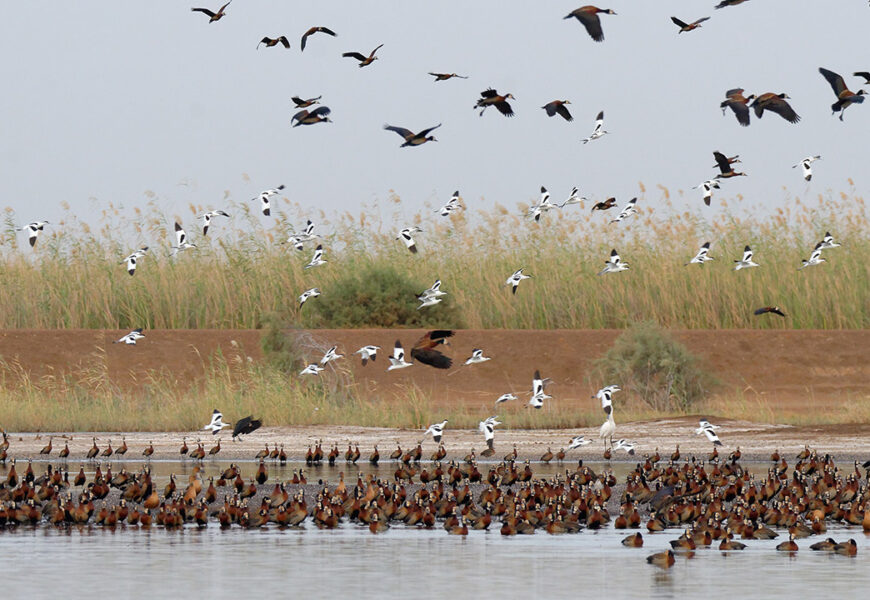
405, 133
835, 80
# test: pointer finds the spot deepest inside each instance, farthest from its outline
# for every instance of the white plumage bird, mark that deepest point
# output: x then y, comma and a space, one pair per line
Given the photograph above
331, 354
216, 423
708, 187
397, 360
505, 398
312, 369
181, 243
598, 131
368, 353
307, 295
265, 199
708, 429
208, 216
131, 338
629, 209
33, 230
132, 260
578, 441
317, 259
814, 259
407, 236
702, 256
515, 279
476, 357
746, 262
614, 265
450, 206
437, 430
806, 166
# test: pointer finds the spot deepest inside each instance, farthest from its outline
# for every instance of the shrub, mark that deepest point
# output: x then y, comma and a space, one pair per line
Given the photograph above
659, 370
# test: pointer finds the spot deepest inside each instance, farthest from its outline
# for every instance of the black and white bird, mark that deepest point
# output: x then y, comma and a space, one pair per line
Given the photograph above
476, 357
437, 430
708, 429
434, 291
331, 354
578, 441
450, 206
181, 243
806, 166
702, 256
307, 295
265, 199
814, 259
708, 187
828, 242
208, 216
132, 260
406, 235
505, 398
317, 259
33, 230
487, 428
298, 240
312, 369
627, 211
368, 353
598, 131
538, 393
746, 262
605, 395
397, 360
622, 444
515, 279
131, 338
614, 265
543, 206
216, 423
431, 300
573, 198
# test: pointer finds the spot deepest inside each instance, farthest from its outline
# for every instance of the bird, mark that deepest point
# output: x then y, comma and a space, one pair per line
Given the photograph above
605, 395
270, 42
708, 187
828, 241
775, 103
688, 26
614, 265
311, 32
131, 338
814, 259
265, 197
538, 394
806, 166
845, 97
216, 423
770, 309
557, 107
434, 291
737, 102
246, 426
33, 230
406, 236
451, 205
746, 262
132, 260
181, 243
317, 259
306, 117
446, 76
622, 444
208, 216
331, 354
724, 163
437, 430
490, 97
305, 102
701, 257
598, 131
312, 369
578, 441
368, 353
364, 61
515, 279
865, 75
414, 139
573, 198
708, 429
487, 428
608, 428
397, 360
604, 204
424, 350
725, 3
307, 295
542, 206
306, 235
427, 301
627, 211
213, 16
588, 16
505, 398
665, 560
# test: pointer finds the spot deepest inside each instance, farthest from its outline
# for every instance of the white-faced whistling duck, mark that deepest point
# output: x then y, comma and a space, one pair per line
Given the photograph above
65, 452
663, 560
46, 450
849, 548
305, 103
311, 32
123, 449
725, 3
215, 449
491, 97
249, 424
775, 103
424, 349
789, 546
604, 205
547, 456
94, 450
588, 15
770, 309
375, 456
688, 26
107, 451
270, 42
865, 75
414, 139
845, 97
364, 61
557, 107
183, 450
446, 76
306, 117
635, 540
213, 16
724, 164
739, 104
147, 452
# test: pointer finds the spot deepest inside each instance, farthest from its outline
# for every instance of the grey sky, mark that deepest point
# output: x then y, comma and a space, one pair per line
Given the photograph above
108, 100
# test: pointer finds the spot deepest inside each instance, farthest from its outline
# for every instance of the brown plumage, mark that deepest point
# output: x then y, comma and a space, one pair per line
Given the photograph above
490, 97
411, 138
213, 16
424, 349
446, 76
605, 205
724, 164
270, 42
306, 117
739, 104
557, 107
725, 3
363, 60
300, 103
775, 103
845, 97
688, 26
311, 32
94, 450
588, 16
47, 449
664, 560
770, 309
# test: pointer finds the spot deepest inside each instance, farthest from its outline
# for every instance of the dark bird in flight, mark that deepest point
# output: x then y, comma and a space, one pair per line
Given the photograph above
688, 26
446, 76
865, 75
274, 42
557, 107
363, 60
245, 426
845, 97
605, 205
311, 32
725, 3
491, 97
213, 16
739, 104
300, 103
724, 163
414, 139
424, 350
770, 309
588, 15
775, 103
306, 117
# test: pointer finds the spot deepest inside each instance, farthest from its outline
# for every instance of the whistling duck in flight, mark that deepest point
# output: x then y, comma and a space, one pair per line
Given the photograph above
770, 309
739, 104
213, 16
845, 97
588, 16
446, 76
865, 75
424, 349
245, 426
414, 139
270, 42
312, 31
605, 205
363, 60
725, 3
306, 117
300, 103
775, 103
557, 107
688, 26
490, 97
724, 164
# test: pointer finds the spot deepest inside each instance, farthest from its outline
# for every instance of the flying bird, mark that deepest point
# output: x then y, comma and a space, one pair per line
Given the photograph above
708, 429
688, 26
213, 16
312, 369
331, 354
432, 292
543, 205
476, 357
490, 97
307, 117
308, 294
208, 216
265, 196
246, 426
775, 103
724, 163
573, 198
627, 211
622, 444
614, 265
578, 441
298, 240
368, 353
270, 42
598, 131
414, 139
451, 205
363, 60
770, 309
725, 3
865, 75
557, 107
505, 398
588, 16
317, 259
131, 338
33, 230
132, 260
814, 259
515, 279
311, 32
538, 394
746, 262
701, 257
424, 350
737, 102
604, 205
845, 97
828, 241
437, 430
446, 76
708, 187
216, 423
181, 243
397, 360
806, 166
305, 102
406, 235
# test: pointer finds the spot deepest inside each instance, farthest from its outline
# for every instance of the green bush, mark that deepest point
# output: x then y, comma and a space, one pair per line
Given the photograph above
381, 296
647, 362
282, 347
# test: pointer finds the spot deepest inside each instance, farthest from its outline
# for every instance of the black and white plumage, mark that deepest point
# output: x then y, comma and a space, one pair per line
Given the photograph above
317, 259
265, 199
368, 353
814, 259
216, 423
573, 198
131, 338
515, 279
437, 431
432, 292
598, 131
487, 428
312, 369
451, 206
538, 393
331, 354
543, 206
307, 295
622, 444
208, 216
627, 211
828, 242
614, 265
427, 301
746, 262
33, 230
708, 429
246, 425
578, 441
298, 240
806, 166
605, 395
702, 256
476, 357
397, 360
181, 243
407, 236
505, 398
132, 260
708, 187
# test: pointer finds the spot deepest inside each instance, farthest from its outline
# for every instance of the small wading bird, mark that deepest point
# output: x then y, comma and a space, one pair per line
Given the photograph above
213, 16
271, 42
331, 354
746, 262
132, 260
806, 166
538, 394
708, 429
770, 309
310, 117
814, 259
627, 211
208, 216
588, 16
307, 295
414, 139
311, 32
598, 131
451, 205
614, 265
131, 338
305, 102
312, 369
515, 279
406, 235
317, 259
622, 444
33, 230
724, 164
432, 292
688, 26
775, 103
828, 241
368, 353
544, 205
737, 103
490, 97
364, 61
397, 360
437, 430
708, 187
845, 97
701, 257
265, 196
476, 357
578, 441
487, 428
446, 76
604, 205
245, 426
505, 398
181, 243
557, 107
298, 240
216, 423
573, 198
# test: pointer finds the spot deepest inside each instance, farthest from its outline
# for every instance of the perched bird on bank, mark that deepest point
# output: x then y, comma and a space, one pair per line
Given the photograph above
806, 166
814, 259
216, 423
708, 187
737, 102
208, 216
490, 97
265, 197
627, 211
308, 294
598, 131
424, 350
770, 309
406, 235
311, 32
588, 16
213, 16
614, 265
245, 426
688, 26
306, 117
364, 61
845, 97
437, 430
775, 103
515, 279
33, 230
131, 338
305, 102
414, 139
271, 42
368, 353
557, 107
701, 257
446, 76
132, 260
724, 163
746, 261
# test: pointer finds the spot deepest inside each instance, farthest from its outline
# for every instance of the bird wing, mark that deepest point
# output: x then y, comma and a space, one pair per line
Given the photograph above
701, 20
614, 256
490, 93
747, 254
504, 108
327, 31
550, 107
180, 236
835, 80
741, 111
375, 50
563, 112
203, 10
783, 109
425, 132
284, 41
320, 111
592, 24
297, 117
679, 23
355, 55
405, 133
722, 161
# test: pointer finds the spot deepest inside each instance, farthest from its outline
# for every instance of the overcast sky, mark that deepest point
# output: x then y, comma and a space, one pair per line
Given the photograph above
105, 101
